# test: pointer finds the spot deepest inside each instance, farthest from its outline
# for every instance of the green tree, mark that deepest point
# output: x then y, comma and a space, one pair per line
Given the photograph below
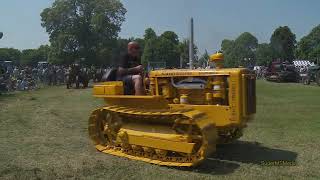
10, 54
264, 54
150, 43
83, 29
149, 34
240, 52
167, 51
33, 56
283, 43
309, 45
149, 52
30, 57
43, 52
184, 52
171, 36
246, 45
56, 56
227, 45
247, 41
166, 48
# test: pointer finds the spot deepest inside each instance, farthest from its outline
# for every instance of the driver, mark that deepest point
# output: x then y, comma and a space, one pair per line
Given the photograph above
130, 69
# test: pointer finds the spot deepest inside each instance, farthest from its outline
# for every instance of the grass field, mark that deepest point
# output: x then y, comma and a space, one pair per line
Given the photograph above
43, 135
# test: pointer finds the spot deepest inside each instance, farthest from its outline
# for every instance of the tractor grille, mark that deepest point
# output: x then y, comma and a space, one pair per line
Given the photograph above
250, 94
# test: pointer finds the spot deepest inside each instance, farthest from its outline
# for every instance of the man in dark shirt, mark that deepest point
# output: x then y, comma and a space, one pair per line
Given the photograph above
130, 69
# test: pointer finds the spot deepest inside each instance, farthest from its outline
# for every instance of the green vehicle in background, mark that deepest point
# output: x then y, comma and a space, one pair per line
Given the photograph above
312, 74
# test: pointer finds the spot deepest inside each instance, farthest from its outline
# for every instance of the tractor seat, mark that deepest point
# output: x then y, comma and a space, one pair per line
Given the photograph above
111, 75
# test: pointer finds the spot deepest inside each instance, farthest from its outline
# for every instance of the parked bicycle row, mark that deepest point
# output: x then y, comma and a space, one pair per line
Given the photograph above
21, 78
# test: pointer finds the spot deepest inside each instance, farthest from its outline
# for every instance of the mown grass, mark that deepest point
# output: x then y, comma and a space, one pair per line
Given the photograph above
43, 135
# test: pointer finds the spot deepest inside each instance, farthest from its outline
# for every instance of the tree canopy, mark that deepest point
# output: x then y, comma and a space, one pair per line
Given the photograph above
25, 57
245, 50
309, 45
264, 54
241, 51
83, 29
149, 51
10, 54
283, 43
163, 48
149, 34
30, 57
167, 51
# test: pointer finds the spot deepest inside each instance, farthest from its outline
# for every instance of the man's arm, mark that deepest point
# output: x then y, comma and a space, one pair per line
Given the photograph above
130, 71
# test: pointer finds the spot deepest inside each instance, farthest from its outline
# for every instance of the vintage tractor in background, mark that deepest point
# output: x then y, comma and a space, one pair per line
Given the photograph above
282, 72
311, 74
184, 115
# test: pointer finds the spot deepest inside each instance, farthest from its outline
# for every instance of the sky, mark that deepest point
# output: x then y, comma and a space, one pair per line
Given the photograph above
214, 20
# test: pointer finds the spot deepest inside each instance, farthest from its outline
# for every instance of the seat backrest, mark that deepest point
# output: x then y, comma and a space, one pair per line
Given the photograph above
110, 75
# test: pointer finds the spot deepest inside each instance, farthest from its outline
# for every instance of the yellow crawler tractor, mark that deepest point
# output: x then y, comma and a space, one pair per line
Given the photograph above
184, 115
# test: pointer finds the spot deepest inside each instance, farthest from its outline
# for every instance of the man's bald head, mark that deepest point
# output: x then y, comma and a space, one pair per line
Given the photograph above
134, 45
133, 48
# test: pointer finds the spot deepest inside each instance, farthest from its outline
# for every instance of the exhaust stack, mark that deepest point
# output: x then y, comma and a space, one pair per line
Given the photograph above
191, 52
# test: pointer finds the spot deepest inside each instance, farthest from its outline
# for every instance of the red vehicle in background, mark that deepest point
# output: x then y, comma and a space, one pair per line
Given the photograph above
282, 72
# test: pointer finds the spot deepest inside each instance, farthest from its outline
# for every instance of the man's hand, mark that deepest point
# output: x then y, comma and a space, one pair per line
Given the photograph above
131, 71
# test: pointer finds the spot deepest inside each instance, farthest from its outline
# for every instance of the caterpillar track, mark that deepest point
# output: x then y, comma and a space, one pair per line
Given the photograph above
158, 136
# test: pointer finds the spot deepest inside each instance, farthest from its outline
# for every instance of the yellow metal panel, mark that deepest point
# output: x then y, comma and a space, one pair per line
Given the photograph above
235, 97
108, 88
244, 95
155, 162
170, 142
100, 147
186, 164
98, 90
174, 164
137, 102
145, 159
163, 163
157, 87
169, 137
118, 153
216, 114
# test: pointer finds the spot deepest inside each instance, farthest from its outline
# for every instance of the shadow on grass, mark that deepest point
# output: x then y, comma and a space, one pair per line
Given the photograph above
252, 152
229, 156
